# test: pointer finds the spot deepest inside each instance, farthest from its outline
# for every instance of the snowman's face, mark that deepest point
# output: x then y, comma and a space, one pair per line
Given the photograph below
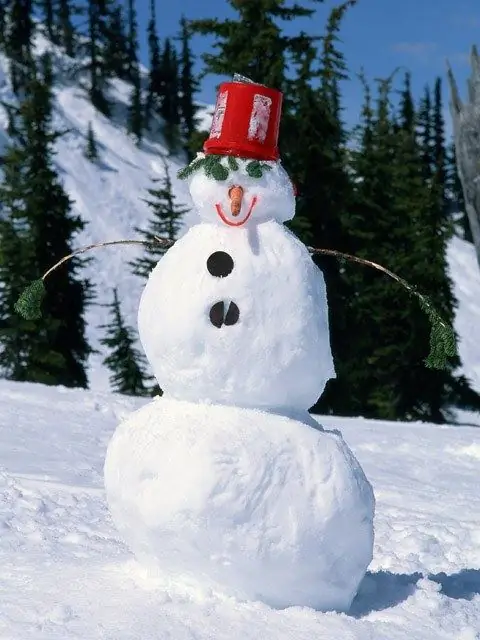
241, 200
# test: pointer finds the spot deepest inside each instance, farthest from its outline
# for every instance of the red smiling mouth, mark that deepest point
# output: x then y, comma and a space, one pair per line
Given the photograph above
239, 223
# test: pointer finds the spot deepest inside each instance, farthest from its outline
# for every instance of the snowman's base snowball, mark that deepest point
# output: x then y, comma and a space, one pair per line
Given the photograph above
256, 505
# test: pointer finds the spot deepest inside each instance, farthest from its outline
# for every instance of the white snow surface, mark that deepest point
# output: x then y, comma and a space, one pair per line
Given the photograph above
277, 355
65, 574
248, 503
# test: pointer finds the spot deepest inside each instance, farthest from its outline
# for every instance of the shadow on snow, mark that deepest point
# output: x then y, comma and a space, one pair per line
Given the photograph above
383, 589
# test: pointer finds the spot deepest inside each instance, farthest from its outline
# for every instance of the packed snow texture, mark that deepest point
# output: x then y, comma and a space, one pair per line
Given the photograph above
255, 505
65, 574
278, 353
270, 197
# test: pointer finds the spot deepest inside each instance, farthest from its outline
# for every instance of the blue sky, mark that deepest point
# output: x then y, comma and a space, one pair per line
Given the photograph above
378, 35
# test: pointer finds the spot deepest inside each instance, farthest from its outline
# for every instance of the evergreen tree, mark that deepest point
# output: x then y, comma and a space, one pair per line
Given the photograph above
396, 220
66, 31
47, 16
132, 41
425, 135
253, 44
98, 40
166, 222
135, 110
91, 150
36, 230
369, 360
116, 53
439, 390
439, 152
155, 77
170, 107
188, 87
3, 21
456, 195
315, 152
125, 362
18, 42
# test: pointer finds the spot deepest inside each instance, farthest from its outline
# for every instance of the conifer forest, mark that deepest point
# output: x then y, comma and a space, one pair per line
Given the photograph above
386, 189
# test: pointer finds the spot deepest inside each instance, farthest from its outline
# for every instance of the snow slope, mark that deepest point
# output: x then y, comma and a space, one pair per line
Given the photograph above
65, 574
109, 194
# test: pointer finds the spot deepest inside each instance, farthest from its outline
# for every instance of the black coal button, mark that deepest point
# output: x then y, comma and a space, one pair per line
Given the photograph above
220, 264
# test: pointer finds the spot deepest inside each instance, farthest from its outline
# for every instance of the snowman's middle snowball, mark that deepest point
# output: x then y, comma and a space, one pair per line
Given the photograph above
257, 337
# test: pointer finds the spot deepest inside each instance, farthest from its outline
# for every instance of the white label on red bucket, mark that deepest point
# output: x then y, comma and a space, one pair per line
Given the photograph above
219, 115
260, 117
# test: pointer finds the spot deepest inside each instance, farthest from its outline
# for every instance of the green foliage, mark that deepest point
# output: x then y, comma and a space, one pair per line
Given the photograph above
102, 48
125, 362
258, 23
155, 72
132, 48
195, 142
114, 44
66, 36
165, 222
30, 300
18, 42
91, 150
135, 110
219, 167
398, 219
188, 86
36, 229
169, 108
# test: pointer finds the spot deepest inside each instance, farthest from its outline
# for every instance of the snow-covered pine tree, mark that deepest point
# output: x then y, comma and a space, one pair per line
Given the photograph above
166, 222
126, 363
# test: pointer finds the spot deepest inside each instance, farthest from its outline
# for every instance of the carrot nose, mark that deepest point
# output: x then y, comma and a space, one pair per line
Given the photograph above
235, 194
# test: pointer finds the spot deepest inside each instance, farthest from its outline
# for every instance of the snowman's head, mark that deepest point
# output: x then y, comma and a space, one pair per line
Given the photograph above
237, 192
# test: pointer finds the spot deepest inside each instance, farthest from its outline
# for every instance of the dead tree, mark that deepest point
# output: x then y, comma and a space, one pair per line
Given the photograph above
466, 131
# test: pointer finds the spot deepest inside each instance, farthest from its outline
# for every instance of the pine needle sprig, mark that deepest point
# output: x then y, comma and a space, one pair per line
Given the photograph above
213, 167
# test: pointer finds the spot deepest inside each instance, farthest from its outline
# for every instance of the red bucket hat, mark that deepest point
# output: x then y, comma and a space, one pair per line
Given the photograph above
246, 121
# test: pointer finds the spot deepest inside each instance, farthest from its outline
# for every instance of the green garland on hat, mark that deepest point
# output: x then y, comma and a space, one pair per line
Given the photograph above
214, 167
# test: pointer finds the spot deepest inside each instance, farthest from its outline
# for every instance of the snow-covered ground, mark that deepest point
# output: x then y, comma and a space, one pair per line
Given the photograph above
65, 574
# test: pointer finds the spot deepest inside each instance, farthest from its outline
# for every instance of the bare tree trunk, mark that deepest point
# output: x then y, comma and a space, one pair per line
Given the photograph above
466, 130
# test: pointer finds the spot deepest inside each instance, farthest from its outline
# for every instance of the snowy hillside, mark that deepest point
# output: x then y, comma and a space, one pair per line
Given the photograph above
65, 574
107, 194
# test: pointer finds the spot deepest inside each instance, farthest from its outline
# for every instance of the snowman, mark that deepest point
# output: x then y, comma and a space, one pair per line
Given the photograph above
226, 480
